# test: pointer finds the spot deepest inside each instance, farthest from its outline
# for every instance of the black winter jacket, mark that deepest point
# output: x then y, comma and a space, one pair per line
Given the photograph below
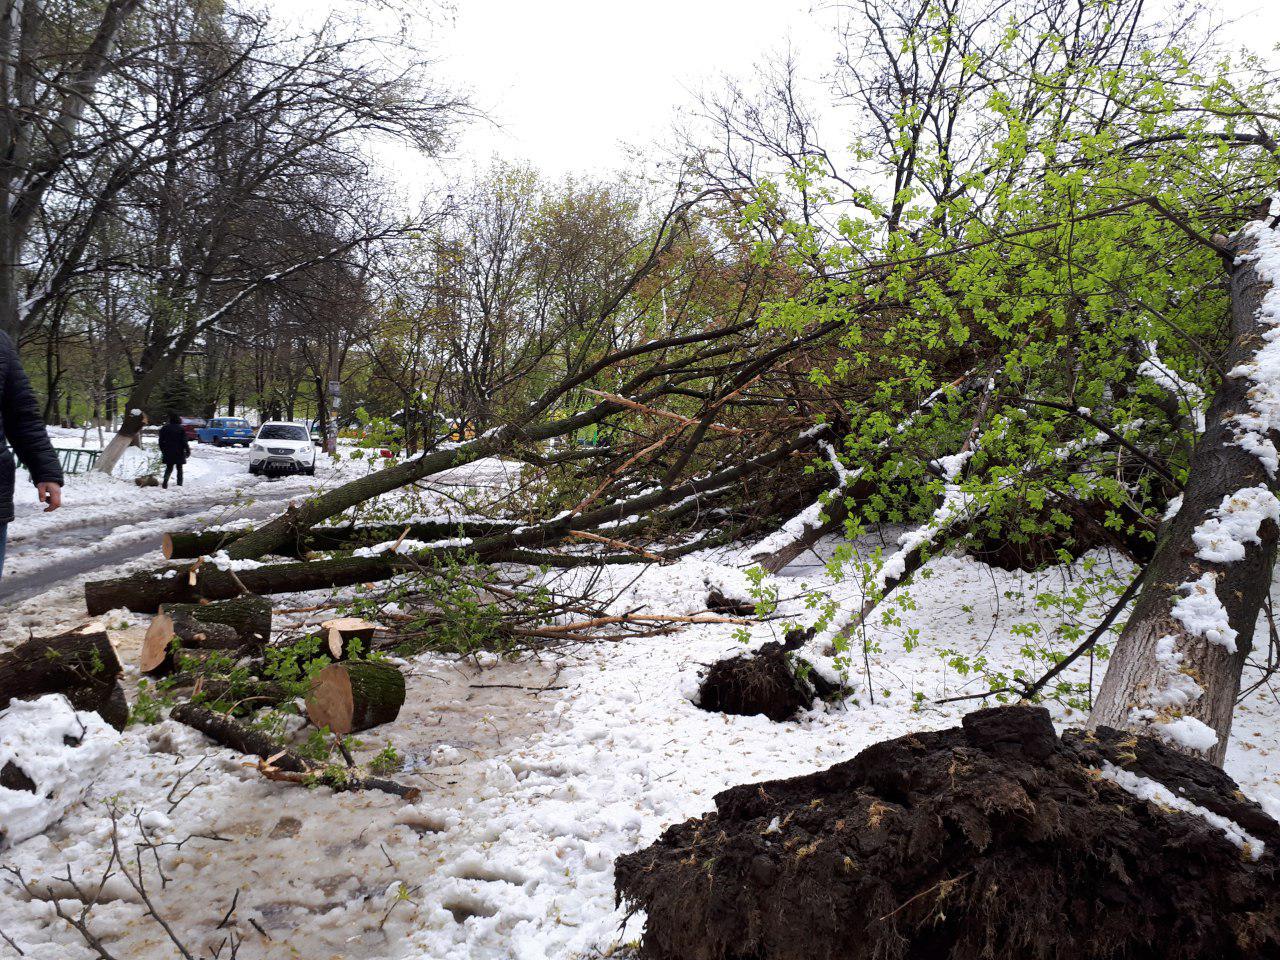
174, 445
22, 429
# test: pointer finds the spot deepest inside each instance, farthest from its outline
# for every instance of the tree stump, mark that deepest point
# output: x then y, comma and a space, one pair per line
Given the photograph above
355, 695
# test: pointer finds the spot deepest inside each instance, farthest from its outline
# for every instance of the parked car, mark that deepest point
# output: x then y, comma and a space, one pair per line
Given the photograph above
192, 426
282, 448
225, 432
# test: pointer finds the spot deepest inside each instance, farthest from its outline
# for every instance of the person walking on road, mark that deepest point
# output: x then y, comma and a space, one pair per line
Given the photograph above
175, 448
22, 430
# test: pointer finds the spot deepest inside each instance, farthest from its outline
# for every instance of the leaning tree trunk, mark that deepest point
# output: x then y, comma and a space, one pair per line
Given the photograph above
1175, 671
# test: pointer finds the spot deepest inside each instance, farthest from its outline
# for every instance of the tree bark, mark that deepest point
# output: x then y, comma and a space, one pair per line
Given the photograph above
1163, 671
106, 700
355, 695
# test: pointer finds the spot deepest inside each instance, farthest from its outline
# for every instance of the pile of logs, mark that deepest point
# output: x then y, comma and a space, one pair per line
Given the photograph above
192, 645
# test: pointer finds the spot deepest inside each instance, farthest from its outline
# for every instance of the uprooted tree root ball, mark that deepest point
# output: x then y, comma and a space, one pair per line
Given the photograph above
995, 839
772, 681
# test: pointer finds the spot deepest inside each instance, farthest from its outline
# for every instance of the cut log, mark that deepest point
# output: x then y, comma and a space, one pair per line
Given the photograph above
338, 636
356, 695
169, 633
190, 544
277, 762
248, 614
69, 661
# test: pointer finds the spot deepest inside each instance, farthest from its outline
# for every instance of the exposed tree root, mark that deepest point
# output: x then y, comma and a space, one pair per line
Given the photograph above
995, 839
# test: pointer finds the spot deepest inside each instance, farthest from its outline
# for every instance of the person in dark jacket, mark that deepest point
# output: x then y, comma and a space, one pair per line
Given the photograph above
175, 448
22, 430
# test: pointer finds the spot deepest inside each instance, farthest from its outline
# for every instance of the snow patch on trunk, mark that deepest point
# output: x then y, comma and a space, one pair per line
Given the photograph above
1155, 792
1235, 523
1202, 613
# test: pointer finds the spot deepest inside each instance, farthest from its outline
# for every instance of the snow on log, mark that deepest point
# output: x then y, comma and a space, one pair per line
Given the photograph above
1175, 670
82, 664
994, 839
355, 695
49, 755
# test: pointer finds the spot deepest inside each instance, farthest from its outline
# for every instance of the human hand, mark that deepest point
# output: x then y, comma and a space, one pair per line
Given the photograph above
50, 494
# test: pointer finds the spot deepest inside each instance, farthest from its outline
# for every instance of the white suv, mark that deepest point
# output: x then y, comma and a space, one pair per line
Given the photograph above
282, 448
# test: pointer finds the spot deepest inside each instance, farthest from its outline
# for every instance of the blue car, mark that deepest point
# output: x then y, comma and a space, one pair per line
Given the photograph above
225, 432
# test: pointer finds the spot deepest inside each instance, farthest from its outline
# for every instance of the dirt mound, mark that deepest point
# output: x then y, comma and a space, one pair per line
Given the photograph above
995, 839
772, 681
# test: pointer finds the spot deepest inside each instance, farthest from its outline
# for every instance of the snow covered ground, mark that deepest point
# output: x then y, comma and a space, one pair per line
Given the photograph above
530, 789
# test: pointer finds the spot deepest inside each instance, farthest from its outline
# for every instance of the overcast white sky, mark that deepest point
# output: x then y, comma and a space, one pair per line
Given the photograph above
570, 84
573, 82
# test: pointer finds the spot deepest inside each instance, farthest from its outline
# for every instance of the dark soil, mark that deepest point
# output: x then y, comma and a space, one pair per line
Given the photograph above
717, 602
772, 681
992, 840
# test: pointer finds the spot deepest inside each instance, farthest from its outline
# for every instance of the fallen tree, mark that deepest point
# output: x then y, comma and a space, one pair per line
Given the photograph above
148, 590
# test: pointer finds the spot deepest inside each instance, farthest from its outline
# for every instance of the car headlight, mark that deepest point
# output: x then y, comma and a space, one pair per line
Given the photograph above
259, 448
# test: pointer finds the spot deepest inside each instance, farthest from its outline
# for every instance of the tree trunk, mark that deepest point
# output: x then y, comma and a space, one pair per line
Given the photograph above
143, 593
1175, 671
356, 695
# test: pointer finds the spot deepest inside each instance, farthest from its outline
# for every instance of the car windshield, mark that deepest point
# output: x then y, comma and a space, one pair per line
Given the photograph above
282, 431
